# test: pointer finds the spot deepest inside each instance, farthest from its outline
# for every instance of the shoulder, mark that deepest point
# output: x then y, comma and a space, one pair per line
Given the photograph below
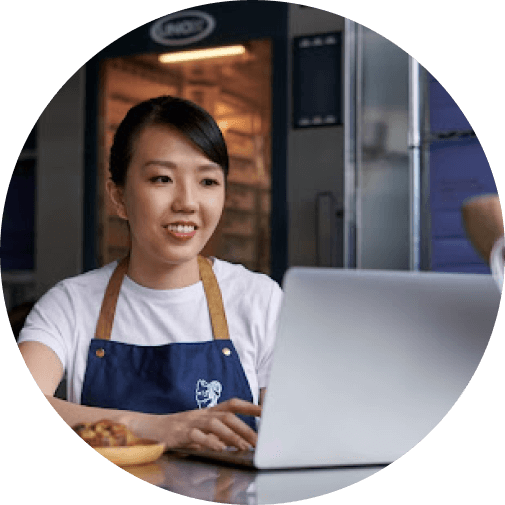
97, 275
70, 302
242, 287
231, 274
86, 286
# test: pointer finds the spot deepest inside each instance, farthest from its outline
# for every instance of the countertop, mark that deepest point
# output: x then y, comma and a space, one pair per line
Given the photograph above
232, 484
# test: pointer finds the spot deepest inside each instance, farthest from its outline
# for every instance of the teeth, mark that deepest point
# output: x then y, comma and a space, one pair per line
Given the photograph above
179, 228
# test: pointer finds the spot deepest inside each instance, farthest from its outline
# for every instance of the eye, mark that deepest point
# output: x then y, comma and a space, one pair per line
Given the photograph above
160, 178
210, 182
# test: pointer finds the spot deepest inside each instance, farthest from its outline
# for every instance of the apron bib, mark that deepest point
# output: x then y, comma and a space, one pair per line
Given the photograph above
168, 378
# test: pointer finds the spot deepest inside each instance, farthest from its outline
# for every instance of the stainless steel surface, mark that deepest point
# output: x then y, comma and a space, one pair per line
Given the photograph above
385, 217
350, 152
326, 229
227, 484
414, 146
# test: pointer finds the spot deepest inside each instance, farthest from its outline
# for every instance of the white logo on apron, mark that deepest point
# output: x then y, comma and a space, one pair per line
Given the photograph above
207, 393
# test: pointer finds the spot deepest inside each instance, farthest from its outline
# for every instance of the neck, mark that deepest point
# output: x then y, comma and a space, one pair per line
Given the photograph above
163, 275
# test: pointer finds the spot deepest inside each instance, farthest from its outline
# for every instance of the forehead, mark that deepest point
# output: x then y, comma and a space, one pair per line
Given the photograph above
163, 142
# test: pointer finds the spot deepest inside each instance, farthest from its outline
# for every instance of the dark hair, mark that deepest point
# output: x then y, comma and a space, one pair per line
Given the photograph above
196, 124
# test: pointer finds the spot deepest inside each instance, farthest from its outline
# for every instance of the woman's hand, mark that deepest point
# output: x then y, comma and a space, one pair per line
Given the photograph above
211, 428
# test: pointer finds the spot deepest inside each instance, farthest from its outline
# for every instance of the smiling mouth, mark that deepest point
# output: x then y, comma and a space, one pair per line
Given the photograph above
181, 231
181, 228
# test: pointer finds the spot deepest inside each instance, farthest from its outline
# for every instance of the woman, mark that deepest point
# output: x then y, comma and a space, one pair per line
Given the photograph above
145, 341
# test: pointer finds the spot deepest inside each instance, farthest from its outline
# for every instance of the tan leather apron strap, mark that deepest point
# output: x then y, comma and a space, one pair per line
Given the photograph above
210, 286
108, 309
214, 300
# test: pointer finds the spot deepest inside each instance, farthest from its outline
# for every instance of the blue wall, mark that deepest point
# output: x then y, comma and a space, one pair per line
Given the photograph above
458, 170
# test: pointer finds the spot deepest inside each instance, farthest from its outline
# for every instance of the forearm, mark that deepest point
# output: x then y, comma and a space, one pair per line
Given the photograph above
141, 424
483, 222
214, 427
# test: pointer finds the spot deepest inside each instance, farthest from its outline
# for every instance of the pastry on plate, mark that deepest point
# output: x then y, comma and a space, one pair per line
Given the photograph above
105, 433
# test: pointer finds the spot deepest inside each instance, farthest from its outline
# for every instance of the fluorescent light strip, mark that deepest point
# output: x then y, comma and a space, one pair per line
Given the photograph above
200, 54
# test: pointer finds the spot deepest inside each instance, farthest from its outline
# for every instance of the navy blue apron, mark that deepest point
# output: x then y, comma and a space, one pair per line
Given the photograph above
168, 378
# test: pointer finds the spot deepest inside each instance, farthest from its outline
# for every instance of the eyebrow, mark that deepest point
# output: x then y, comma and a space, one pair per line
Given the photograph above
211, 167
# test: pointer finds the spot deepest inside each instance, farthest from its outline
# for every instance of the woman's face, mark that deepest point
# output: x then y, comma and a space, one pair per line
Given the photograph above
173, 197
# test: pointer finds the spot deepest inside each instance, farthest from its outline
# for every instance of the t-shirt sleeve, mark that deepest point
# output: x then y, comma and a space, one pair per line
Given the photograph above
52, 322
496, 261
267, 347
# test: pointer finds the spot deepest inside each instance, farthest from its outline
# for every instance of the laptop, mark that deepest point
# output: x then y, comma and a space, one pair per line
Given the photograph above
366, 364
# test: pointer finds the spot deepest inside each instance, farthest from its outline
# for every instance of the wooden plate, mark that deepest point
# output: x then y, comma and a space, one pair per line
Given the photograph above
144, 451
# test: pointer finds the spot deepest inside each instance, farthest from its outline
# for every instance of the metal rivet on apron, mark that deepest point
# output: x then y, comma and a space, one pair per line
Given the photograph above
100, 353
226, 351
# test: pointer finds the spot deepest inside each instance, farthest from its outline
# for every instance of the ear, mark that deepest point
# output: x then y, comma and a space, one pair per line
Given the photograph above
116, 195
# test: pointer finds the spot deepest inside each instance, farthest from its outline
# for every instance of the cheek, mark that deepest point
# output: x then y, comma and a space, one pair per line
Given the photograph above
214, 205
141, 206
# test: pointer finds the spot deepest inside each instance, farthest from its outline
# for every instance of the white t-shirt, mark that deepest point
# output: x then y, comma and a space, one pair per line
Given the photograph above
65, 319
496, 260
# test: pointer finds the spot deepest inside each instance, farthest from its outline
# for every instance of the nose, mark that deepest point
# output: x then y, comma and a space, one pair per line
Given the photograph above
184, 200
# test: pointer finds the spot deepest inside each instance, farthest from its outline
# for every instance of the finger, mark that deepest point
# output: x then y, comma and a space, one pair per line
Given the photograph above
206, 440
195, 447
214, 425
239, 406
231, 430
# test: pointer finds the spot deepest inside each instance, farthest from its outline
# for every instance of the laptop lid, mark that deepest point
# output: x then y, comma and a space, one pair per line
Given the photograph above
367, 363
